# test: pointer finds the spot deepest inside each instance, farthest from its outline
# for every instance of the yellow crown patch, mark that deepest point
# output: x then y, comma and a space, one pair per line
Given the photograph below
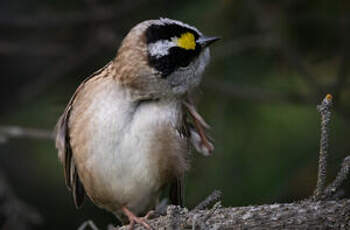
186, 41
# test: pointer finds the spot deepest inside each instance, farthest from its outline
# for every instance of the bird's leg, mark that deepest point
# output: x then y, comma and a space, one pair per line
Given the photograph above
134, 219
200, 125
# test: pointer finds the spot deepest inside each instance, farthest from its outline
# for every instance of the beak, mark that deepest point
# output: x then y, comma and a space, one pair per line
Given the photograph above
205, 41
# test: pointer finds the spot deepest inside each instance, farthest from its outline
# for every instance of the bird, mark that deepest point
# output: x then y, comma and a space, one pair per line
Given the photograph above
126, 133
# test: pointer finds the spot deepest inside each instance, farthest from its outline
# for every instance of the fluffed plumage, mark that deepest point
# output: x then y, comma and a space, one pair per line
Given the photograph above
125, 133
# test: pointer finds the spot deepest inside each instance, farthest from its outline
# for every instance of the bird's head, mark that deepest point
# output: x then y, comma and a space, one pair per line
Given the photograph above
163, 57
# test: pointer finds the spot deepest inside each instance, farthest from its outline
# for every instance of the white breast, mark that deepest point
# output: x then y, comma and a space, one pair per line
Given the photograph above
120, 148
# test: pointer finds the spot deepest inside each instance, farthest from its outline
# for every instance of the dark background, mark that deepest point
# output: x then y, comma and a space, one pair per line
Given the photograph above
275, 62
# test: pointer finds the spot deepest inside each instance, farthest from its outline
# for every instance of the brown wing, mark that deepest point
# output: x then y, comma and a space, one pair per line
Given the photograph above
176, 192
65, 153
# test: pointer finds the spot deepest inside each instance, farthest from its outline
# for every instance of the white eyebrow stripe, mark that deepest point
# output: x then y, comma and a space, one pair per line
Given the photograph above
160, 48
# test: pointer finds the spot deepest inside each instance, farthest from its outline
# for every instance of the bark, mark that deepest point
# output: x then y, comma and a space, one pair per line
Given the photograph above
306, 214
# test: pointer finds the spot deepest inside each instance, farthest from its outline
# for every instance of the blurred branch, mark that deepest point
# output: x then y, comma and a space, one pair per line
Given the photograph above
253, 93
321, 18
104, 36
28, 49
342, 75
343, 69
7, 132
268, 38
58, 70
295, 59
86, 224
14, 213
104, 14
268, 20
236, 46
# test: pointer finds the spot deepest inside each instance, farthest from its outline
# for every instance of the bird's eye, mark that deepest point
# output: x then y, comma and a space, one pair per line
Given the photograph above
171, 46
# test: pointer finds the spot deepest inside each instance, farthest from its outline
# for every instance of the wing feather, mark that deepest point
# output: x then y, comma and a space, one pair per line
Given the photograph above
63, 145
65, 155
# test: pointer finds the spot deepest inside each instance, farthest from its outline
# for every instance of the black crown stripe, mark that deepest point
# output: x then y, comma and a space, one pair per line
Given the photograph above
177, 56
155, 33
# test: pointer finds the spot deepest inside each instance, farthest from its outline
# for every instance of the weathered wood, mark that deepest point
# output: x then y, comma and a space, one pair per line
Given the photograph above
306, 214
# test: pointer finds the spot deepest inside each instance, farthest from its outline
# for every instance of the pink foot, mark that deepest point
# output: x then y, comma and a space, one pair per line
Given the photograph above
134, 219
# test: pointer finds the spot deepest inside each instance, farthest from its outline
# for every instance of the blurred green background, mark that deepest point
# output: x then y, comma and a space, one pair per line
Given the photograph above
274, 64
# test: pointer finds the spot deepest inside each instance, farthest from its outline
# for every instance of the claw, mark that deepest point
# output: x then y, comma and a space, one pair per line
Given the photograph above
139, 220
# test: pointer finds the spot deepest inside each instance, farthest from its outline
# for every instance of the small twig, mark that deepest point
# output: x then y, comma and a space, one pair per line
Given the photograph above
62, 68
106, 14
324, 110
295, 59
25, 48
201, 222
15, 213
18, 132
333, 188
216, 206
343, 69
269, 21
214, 196
161, 208
255, 94
88, 223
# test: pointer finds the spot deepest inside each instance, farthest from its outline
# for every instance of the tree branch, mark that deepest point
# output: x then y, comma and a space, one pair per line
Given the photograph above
14, 213
105, 13
7, 132
299, 215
